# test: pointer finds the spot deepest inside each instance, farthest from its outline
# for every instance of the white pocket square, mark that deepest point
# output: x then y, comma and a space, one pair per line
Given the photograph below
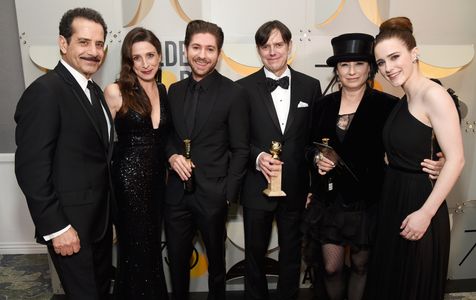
302, 104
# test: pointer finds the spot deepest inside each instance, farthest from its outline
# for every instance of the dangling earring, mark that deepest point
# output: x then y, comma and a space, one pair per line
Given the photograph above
416, 59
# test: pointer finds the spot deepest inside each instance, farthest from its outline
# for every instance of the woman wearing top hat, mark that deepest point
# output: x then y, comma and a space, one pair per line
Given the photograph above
342, 210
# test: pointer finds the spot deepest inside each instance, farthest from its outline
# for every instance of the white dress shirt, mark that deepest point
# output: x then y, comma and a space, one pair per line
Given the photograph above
281, 98
282, 102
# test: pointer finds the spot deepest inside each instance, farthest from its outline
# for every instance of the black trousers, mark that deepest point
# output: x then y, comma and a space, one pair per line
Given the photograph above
86, 274
181, 224
258, 225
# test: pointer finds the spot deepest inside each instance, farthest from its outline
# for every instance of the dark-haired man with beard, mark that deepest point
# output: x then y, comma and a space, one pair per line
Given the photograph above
211, 111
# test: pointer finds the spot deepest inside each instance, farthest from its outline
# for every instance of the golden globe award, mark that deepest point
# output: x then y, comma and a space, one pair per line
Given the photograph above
274, 186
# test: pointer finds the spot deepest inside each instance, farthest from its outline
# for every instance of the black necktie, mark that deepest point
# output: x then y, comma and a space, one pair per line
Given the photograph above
98, 112
273, 84
190, 106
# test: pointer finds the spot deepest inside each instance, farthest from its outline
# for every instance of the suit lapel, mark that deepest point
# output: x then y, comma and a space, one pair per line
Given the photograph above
331, 119
176, 108
356, 126
110, 141
265, 96
294, 101
359, 120
83, 100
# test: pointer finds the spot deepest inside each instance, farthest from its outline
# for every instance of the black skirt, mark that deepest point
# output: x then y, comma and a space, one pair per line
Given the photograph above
337, 223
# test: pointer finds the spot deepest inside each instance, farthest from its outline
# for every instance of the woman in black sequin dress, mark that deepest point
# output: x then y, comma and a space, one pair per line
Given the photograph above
139, 108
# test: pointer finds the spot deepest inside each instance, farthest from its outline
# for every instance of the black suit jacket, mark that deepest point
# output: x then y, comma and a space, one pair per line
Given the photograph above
61, 161
265, 128
219, 141
362, 148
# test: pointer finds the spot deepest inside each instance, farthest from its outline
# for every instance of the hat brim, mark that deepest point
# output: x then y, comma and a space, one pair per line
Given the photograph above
333, 60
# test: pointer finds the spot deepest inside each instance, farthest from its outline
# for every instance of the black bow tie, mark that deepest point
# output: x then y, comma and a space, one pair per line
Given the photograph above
273, 84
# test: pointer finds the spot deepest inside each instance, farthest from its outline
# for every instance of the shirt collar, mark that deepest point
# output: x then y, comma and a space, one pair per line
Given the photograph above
207, 81
271, 75
82, 81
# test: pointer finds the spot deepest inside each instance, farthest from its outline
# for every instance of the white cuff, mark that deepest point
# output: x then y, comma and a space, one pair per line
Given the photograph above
257, 162
56, 234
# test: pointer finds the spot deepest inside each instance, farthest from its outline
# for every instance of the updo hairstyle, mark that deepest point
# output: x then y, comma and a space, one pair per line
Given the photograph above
398, 27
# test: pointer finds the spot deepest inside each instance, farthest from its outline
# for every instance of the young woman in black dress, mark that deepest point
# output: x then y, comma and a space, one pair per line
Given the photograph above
138, 103
413, 239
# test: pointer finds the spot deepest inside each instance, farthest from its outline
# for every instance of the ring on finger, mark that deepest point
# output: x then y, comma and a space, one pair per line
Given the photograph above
321, 156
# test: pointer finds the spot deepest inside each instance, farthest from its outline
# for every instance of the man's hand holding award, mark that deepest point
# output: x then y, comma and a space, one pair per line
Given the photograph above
274, 185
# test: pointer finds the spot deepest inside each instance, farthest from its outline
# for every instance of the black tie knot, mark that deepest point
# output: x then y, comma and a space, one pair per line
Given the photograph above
91, 87
273, 84
93, 96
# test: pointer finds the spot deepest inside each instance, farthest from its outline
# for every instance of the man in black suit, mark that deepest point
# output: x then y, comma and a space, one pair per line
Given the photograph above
280, 103
211, 111
63, 138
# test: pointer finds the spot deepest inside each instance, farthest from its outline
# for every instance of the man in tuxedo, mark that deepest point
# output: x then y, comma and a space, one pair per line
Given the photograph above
211, 111
63, 138
280, 104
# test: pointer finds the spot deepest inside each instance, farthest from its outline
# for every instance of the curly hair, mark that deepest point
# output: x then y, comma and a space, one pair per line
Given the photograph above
66, 27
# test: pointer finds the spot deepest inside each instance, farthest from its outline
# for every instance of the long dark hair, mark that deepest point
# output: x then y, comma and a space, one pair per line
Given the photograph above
133, 96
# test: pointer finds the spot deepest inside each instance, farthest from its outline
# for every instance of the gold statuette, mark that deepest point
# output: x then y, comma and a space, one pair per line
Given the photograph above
274, 186
189, 184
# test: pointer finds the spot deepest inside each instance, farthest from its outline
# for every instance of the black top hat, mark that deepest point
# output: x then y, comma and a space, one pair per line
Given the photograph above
351, 47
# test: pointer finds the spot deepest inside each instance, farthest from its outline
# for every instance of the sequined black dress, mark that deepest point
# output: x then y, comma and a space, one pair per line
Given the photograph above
139, 168
403, 269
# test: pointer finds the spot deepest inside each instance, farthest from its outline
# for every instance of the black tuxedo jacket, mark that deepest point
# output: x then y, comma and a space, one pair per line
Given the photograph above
219, 141
362, 148
265, 128
61, 161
